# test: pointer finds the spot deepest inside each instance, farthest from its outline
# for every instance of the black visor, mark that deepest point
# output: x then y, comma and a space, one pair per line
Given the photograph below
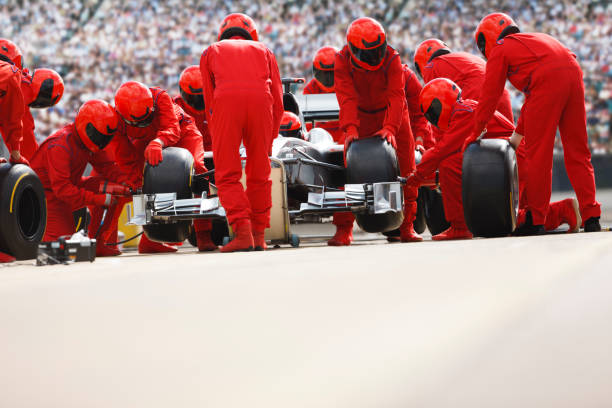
235, 31
297, 133
481, 42
433, 112
45, 98
195, 101
372, 56
143, 121
98, 138
324, 77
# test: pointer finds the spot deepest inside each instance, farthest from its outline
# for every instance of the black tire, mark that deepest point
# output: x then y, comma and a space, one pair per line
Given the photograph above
490, 188
434, 212
373, 160
172, 175
420, 222
23, 211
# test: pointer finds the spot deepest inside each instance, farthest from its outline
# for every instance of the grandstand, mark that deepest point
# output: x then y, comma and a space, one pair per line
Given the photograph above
96, 45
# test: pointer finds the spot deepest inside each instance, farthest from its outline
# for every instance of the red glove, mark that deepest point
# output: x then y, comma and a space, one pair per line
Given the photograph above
414, 180
471, 139
351, 134
386, 134
19, 160
114, 188
104, 200
153, 152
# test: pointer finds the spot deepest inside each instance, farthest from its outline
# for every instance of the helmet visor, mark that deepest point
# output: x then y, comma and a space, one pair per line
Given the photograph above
98, 138
196, 101
45, 98
372, 56
326, 78
433, 112
143, 121
297, 133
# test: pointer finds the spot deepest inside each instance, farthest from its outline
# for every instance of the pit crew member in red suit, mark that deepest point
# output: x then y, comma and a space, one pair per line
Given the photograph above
244, 98
551, 79
369, 83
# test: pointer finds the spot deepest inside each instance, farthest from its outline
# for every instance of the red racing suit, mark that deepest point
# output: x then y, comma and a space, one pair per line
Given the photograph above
59, 163
332, 126
371, 101
174, 128
11, 106
199, 117
421, 129
447, 155
551, 79
244, 96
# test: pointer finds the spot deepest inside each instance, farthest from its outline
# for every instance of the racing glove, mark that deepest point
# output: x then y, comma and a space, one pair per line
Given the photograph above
153, 152
114, 188
471, 139
387, 135
104, 200
414, 180
17, 158
351, 134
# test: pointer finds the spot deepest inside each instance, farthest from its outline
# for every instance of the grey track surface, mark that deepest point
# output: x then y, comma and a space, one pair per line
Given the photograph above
498, 323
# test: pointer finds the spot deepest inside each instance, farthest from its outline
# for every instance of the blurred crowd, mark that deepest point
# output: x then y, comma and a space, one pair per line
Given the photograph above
96, 45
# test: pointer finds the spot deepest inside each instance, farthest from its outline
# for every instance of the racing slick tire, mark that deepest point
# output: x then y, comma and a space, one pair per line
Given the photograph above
23, 211
172, 175
373, 160
490, 188
434, 212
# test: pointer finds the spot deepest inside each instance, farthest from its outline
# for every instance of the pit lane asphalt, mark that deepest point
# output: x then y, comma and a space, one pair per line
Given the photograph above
490, 322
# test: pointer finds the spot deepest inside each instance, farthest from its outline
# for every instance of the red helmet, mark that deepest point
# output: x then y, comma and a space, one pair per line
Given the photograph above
238, 24
190, 85
96, 123
134, 103
290, 125
10, 52
491, 29
323, 67
437, 99
46, 87
428, 50
367, 43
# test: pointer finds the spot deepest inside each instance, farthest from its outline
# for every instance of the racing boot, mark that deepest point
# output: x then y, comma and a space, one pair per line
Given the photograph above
564, 212
592, 225
4, 258
243, 237
146, 246
259, 240
407, 232
343, 236
527, 228
203, 229
454, 232
106, 250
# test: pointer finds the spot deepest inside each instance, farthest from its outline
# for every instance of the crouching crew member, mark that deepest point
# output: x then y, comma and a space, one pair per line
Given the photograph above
61, 160
244, 98
551, 79
369, 84
191, 100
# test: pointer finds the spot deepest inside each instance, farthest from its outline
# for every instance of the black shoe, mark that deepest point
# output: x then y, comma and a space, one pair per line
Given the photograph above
592, 225
528, 228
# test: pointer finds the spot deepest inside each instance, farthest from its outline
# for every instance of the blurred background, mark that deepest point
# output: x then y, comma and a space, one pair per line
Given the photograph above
98, 44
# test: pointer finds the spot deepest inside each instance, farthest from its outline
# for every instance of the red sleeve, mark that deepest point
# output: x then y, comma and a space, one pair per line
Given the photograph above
499, 126
104, 164
12, 109
58, 168
169, 131
208, 84
450, 142
492, 88
29, 145
396, 98
131, 164
345, 92
277, 94
420, 126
